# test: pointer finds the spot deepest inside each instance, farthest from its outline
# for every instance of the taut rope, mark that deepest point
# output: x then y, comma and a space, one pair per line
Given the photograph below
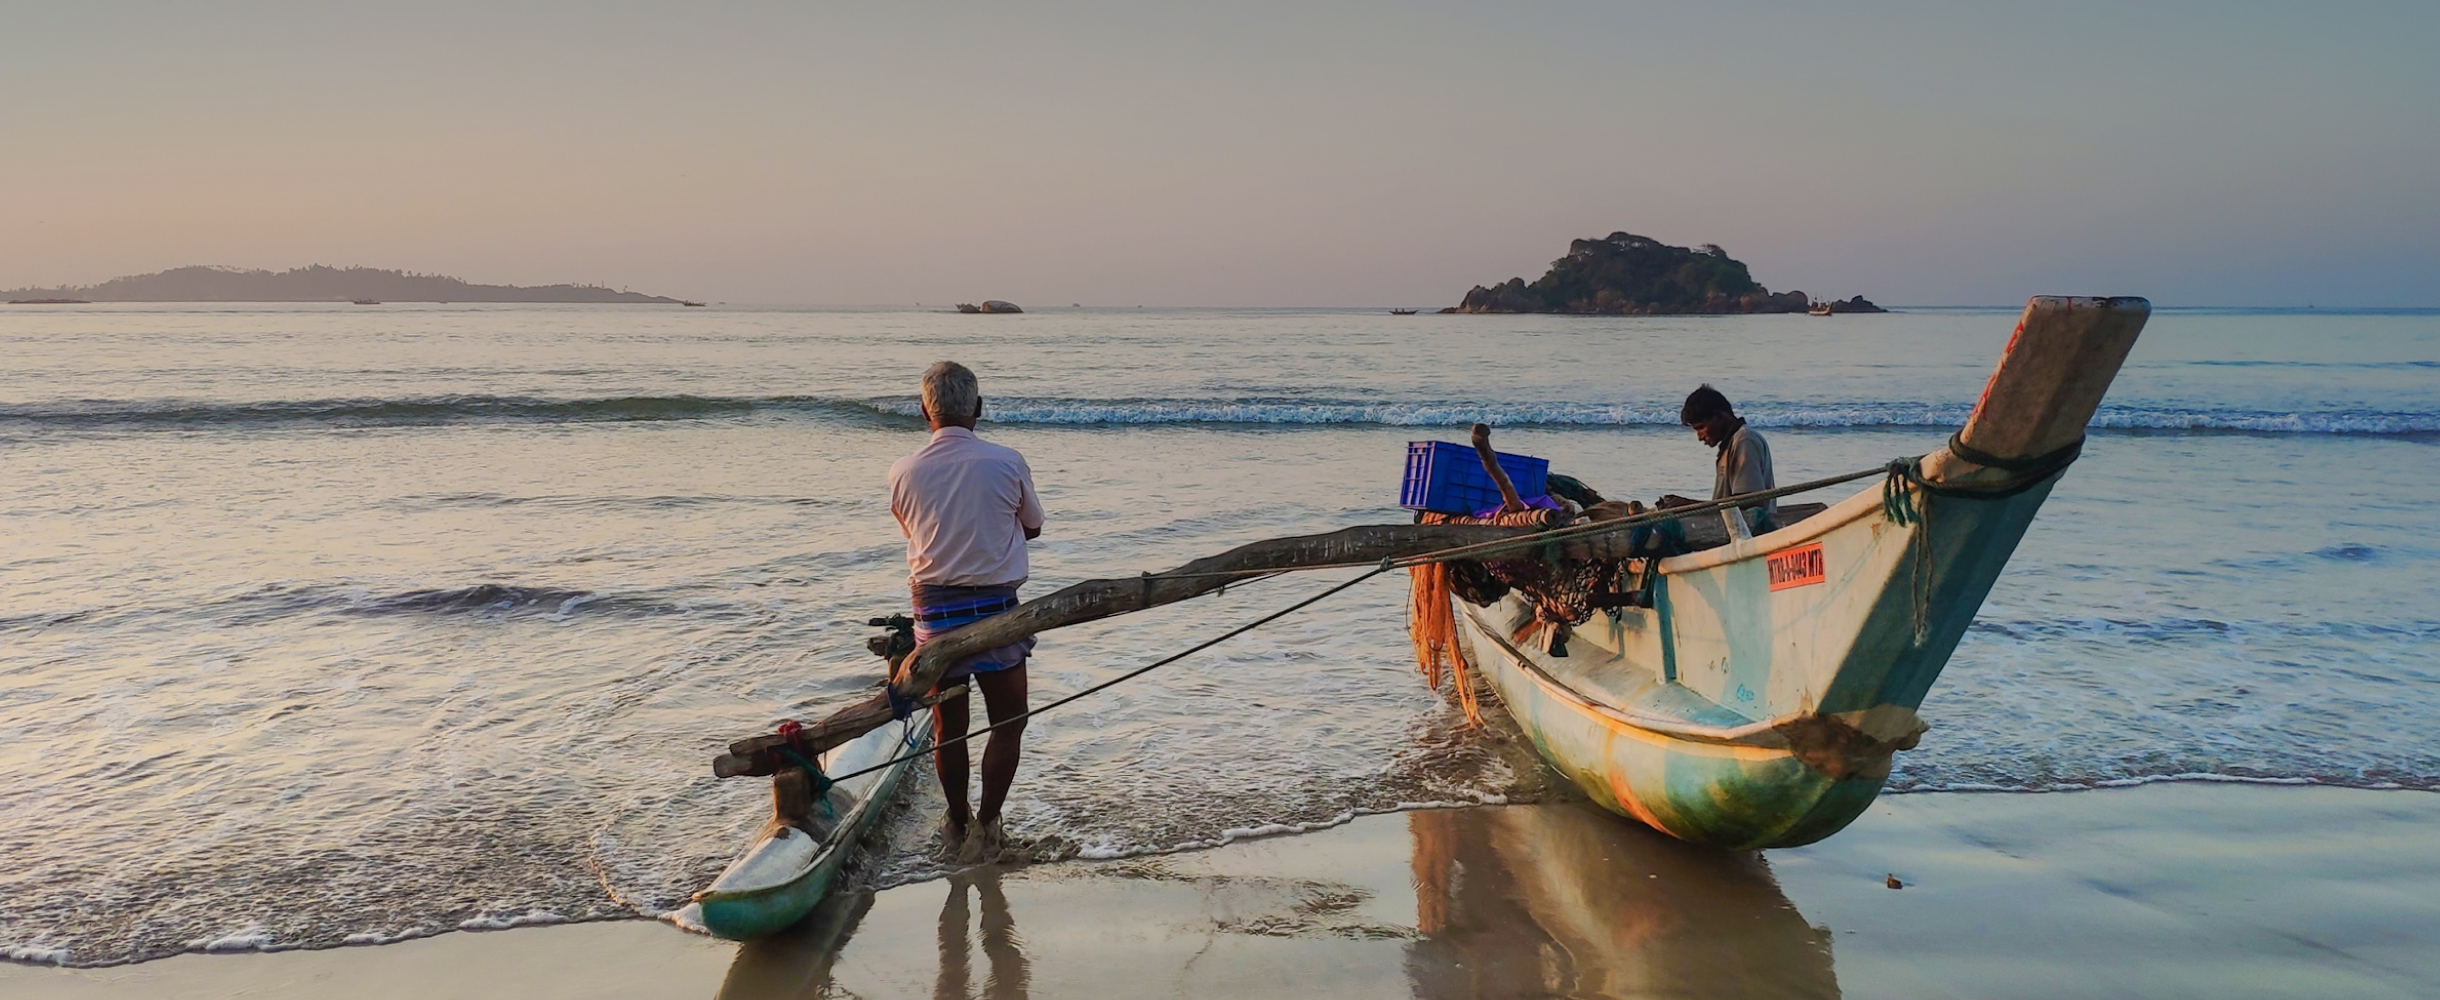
1896, 502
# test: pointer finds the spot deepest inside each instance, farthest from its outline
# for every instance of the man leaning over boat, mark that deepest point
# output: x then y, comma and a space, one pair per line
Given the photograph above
967, 508
1743, 464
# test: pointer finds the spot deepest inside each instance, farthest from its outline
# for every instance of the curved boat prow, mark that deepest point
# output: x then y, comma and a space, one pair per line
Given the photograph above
1759, 699
2050, 380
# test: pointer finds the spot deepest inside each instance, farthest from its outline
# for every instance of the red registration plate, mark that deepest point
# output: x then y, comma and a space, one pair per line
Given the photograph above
1797, 567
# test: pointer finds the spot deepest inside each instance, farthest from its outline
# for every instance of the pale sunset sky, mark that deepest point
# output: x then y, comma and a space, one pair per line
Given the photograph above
1241, 153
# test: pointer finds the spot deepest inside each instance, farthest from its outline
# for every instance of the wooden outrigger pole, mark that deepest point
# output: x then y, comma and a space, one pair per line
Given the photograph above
1092, 600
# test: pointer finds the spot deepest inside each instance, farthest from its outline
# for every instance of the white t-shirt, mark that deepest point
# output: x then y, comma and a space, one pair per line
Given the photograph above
964, 504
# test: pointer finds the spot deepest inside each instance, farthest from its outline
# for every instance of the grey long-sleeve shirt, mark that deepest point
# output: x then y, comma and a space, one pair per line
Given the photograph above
1744, 467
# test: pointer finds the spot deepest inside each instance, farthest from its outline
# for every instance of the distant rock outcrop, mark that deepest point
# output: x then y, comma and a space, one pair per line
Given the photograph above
1628, 275
989, 306
1858, 304
321, 284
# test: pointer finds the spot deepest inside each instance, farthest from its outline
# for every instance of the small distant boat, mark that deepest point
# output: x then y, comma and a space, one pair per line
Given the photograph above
1402, 312
1818, 309
367, 302
793, 861
989, 306
684, 302
50, 302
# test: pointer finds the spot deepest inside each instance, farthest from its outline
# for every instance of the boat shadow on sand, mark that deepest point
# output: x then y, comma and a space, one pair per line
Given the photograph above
1554, 900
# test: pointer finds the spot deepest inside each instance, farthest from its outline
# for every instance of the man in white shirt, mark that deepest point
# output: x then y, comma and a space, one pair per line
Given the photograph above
968, 507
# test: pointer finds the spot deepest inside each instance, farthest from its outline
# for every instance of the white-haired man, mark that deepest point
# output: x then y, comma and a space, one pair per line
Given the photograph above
968, 507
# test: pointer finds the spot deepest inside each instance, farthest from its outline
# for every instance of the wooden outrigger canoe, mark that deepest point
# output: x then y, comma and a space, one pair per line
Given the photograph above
1757, 702
790, 866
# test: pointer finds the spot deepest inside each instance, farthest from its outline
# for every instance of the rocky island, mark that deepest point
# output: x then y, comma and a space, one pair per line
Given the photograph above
320, 284
1628, 275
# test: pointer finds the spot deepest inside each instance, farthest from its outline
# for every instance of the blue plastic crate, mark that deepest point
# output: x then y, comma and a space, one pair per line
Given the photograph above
1449, 478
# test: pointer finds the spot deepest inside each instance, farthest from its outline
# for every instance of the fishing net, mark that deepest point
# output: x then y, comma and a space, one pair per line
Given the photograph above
1564, 592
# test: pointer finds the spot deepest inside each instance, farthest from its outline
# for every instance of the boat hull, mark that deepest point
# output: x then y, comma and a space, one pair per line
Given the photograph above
1743, 716
1724, 795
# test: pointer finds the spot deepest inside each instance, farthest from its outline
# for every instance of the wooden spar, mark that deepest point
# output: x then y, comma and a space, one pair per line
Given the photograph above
1092, 600
758, 755
2059, 362
1510, 503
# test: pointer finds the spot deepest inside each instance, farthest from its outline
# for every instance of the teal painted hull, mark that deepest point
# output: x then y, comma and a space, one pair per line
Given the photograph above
1742, 717
769, 905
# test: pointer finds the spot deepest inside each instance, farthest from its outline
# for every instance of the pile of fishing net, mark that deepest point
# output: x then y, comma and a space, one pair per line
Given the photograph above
1564, 590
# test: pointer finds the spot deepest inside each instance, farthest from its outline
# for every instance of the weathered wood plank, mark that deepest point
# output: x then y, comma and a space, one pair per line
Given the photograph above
1092, 600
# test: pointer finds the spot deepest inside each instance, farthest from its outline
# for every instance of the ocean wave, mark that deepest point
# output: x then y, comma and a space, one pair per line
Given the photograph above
488, 600
399, 412
1901, 786
1274, 411
2175, 629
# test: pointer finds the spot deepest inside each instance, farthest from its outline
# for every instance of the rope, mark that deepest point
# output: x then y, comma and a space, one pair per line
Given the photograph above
792, 731
1899, 505
1129, 675
1480, 549
1908, 470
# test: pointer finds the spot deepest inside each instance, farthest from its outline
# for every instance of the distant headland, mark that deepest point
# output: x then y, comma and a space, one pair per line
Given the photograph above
1629, 275
319, 284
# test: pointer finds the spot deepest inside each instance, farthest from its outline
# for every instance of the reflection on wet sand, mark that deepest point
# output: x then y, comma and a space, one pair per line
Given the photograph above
1565, 901
1532, 901
796, 963
1001, 945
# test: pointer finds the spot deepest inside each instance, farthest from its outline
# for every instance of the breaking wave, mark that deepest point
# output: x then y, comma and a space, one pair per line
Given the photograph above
1274, 411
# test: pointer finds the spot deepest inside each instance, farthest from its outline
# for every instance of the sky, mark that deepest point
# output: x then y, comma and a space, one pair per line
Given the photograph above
1247, 153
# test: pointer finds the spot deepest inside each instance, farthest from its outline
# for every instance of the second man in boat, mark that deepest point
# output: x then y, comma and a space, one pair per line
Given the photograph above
1743, 464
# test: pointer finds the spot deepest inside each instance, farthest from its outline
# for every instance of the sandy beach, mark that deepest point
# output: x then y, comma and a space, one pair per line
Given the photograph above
2168, 890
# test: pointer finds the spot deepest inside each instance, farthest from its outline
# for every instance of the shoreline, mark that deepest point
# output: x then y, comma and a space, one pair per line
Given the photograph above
2215, 889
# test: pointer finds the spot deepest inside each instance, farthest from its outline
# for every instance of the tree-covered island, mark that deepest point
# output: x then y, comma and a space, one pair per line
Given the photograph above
1628, 275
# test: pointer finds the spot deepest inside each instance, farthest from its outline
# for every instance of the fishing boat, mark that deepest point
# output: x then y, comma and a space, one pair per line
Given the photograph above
1818, 309
790, 866
1758, 698
1402, 312
1749, 691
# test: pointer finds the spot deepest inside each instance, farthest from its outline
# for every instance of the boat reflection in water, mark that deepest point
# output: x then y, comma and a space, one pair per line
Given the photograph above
797, 963
1568, 901
1521, 901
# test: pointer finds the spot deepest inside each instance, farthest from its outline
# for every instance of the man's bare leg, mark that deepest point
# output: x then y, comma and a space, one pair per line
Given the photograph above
1003, 699
948, 723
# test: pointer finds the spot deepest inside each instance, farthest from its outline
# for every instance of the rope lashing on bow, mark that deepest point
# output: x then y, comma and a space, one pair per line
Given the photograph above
1901, 505
793, 732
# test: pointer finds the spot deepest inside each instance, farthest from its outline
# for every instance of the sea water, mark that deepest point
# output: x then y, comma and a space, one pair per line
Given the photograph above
346, 624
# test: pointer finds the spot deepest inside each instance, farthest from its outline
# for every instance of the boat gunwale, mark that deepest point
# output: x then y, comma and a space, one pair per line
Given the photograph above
1855, 508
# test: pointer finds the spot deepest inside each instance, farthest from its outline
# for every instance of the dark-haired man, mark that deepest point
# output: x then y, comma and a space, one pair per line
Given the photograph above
1744, 461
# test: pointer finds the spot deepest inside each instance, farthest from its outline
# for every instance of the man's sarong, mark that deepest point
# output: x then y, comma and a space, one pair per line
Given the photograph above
939, 609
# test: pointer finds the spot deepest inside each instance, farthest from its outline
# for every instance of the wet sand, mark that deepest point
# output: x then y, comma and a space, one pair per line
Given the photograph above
2202, 890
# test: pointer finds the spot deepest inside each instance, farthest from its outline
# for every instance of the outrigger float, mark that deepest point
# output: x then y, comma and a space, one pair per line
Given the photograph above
1735, 689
